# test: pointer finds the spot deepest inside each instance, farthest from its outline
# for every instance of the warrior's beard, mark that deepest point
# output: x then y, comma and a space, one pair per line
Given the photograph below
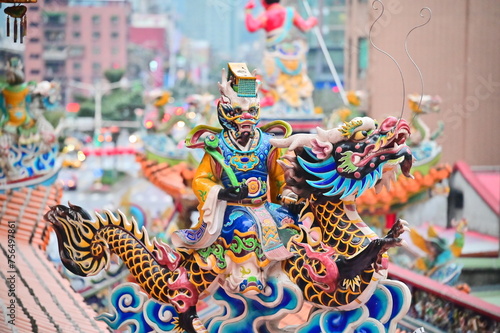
243, 138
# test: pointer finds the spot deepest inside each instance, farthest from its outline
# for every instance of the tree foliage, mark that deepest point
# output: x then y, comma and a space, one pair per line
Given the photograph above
117, 104
114, 75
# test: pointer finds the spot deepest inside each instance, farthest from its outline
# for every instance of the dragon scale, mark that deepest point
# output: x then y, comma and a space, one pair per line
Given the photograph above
346, 236
341, 234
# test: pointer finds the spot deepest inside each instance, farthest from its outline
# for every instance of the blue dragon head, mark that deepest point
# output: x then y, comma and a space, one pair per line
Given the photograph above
349, 159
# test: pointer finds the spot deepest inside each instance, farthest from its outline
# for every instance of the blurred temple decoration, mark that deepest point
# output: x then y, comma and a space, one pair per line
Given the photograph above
286, 87
43, 299
347, 112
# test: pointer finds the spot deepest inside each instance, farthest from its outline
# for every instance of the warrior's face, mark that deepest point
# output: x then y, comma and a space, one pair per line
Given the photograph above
239, 118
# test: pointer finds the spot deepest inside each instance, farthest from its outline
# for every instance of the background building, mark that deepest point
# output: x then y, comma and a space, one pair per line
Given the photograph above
331, 16
148, 48
457, 53
68, 41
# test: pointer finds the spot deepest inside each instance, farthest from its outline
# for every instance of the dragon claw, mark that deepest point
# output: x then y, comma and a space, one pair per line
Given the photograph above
398, 229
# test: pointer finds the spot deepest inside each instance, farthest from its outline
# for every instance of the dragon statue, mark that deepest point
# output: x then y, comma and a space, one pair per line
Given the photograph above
423, 143
335, 262
438, 259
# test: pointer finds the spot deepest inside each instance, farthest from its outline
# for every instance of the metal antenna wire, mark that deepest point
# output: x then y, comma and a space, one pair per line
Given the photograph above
387, 54
421, 14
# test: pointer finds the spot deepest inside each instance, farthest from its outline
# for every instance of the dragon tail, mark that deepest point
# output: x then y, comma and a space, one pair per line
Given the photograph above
85, 247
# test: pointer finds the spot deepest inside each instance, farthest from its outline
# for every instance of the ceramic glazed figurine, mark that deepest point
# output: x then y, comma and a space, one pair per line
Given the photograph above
286, 85
15, 99
424, 141
239, 181
258, 259
28, 142
438, 260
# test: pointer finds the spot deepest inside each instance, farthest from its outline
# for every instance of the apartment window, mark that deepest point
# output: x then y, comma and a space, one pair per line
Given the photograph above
34, 56
96, 19
96, 50
34, 40
54, 68
362, 56
96, 67
35, 72
77, 79
77, 66
114, 50
337, 56
336, 18
76, 51
55, 19
50, 36
96, 35
115, 35
335, 38
34, 24
34, 8
114, 20
76, 18
76, 34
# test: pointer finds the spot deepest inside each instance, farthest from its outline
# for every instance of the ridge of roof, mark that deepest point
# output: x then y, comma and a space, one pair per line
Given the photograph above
477, 185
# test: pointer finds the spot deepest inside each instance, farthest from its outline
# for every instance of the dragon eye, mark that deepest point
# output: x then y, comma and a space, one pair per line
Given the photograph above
360, 135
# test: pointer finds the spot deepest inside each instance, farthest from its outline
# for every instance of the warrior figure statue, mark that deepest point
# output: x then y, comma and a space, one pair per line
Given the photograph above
287, 88
275, 230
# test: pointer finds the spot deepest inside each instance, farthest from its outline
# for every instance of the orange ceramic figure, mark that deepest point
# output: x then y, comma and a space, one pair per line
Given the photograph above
286, 85
14, 100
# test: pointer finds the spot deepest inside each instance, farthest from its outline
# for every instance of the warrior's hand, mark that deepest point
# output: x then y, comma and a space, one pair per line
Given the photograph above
233, 193
290, 200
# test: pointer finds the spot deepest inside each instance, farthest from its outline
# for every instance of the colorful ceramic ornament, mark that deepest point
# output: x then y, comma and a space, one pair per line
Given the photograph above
268, 239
